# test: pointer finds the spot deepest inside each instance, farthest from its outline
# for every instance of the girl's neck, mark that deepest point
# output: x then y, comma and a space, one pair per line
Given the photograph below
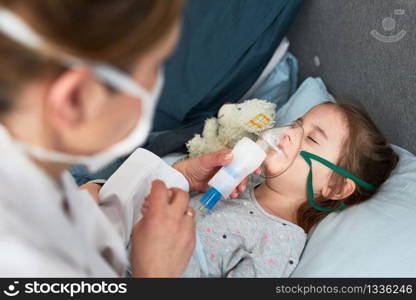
277, 203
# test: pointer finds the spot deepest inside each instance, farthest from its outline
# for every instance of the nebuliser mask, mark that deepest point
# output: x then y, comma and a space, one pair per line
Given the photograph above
273, 148
282, 146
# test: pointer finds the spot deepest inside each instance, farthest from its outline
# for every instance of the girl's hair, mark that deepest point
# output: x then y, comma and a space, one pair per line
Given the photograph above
111, 31
365, 154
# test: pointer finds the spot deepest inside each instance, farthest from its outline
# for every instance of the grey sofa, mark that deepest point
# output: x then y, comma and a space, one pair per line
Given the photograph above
364, 49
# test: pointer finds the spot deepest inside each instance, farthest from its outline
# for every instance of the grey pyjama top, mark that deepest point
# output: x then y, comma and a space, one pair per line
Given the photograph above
240, 239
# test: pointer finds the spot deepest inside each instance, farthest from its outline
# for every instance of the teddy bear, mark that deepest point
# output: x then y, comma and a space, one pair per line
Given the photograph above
233, 122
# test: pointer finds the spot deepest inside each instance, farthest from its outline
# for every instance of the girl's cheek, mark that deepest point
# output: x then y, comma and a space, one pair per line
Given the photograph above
321, 176
300, 168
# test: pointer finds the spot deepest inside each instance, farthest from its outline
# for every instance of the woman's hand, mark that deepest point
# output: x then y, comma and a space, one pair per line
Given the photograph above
93, 189
164, 239
199, 170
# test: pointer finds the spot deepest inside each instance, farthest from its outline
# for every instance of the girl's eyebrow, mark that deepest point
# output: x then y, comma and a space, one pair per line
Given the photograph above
320, 130
317, 128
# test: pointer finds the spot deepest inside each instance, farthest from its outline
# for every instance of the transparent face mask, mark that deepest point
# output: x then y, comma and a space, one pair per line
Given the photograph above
282, 146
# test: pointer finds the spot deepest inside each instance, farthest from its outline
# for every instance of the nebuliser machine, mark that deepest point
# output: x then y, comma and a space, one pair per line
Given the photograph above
274, 151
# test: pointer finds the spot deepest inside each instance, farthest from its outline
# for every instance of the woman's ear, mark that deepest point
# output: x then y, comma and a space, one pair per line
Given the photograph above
343, 192
63, 103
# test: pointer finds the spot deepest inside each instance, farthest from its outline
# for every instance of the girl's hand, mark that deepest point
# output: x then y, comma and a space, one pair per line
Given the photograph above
93, 189
164, 239
199, 170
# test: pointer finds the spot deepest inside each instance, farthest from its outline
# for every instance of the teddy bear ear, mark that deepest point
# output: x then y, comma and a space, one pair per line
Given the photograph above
259, 123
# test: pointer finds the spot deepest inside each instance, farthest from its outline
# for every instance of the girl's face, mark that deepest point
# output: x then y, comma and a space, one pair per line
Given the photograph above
325, 130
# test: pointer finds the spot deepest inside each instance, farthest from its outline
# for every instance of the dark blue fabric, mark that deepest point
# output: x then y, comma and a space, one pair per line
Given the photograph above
82, 176
224, 47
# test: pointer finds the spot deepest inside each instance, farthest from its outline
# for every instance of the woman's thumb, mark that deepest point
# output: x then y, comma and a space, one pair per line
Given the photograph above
224, 156
216, 159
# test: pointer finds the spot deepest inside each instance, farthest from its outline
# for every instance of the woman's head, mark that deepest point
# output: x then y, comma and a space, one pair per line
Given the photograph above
69, 110
344, 135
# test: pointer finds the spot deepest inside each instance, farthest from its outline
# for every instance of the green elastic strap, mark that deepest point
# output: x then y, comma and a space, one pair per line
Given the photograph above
308, 158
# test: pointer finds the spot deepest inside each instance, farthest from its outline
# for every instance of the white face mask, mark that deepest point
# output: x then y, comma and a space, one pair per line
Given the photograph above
16, 29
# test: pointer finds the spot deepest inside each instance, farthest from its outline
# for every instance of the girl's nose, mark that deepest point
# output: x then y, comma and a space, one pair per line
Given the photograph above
293, 136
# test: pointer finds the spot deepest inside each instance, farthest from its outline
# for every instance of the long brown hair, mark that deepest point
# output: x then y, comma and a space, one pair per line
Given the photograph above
106, 30
366, 154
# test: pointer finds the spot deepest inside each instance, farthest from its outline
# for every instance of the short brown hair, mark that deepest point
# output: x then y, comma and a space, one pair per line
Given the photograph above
115, 31
366, 154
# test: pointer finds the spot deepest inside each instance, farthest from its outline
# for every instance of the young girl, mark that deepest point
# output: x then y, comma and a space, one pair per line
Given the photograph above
262, 232
341, 159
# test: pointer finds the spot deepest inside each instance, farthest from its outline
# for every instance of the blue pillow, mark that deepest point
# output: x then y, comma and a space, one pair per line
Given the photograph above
373, 239
310, 93
223, 49
280, 84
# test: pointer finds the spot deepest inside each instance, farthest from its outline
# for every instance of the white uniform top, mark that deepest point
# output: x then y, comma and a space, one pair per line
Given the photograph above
40, 238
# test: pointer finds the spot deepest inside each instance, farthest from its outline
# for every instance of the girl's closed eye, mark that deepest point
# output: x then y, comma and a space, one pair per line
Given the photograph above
299, 122
312, 139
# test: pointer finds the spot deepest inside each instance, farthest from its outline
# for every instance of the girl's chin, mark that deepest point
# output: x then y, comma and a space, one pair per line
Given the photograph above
272, 172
